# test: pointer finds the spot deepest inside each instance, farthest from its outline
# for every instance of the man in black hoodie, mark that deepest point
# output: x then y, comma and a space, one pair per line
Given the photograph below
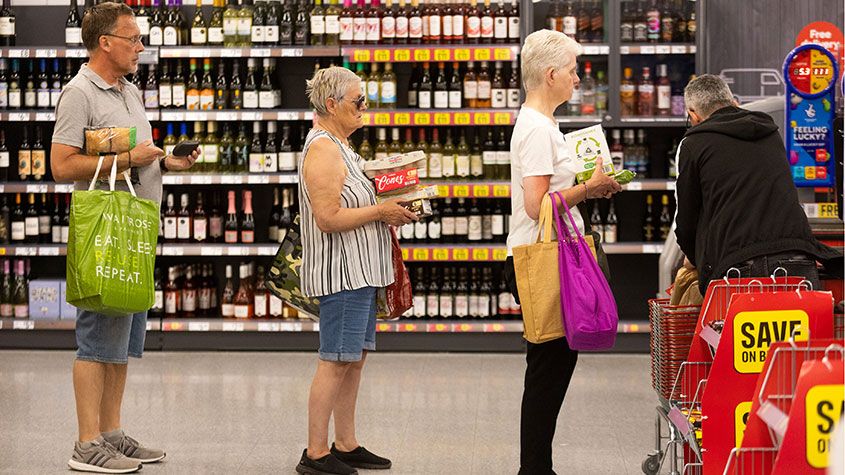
737, 204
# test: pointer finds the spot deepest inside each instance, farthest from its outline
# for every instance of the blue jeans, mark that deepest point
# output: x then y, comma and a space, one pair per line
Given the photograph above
105, 339
347, 324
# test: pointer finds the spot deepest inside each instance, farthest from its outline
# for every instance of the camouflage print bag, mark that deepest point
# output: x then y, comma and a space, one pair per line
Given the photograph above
284, 280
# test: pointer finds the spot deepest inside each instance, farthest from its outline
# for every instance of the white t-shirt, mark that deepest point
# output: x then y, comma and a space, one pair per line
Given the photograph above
537, 149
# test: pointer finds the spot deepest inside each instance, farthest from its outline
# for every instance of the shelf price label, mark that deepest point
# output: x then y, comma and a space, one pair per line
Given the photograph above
402, 55
440, 254
460, 254
76, 53
481, 54
233, 326
462, 54
442, 55
199, 326
501, 191
46, 53
481, 118
405, 254
460, 191
678, 49
384, 327
231, 53
381, 55
443, 191
442, 118
481, 191
647, 50
438, 328
502, 54
18, 117
361, 55
19, 53
663, 49
382, 118
422, 55
23, 325
268, 326
260, 52
482, 255
500, 254
367, 118
422, 254
402, 118
461, 118
502, 118
624, 50
422, 118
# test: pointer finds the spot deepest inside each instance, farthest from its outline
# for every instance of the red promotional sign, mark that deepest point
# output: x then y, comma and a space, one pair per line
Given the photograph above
825, 34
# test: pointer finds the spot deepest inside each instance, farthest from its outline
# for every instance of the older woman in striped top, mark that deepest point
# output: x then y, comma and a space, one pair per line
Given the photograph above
346, 257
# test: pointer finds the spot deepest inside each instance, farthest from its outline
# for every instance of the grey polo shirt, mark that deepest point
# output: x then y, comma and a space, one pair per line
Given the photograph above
89, 101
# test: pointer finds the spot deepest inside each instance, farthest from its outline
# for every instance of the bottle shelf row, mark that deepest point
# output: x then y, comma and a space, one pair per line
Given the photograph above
410, 253
276, 326
470, 189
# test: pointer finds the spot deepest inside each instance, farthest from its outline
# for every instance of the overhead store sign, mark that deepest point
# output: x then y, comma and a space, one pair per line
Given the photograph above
810, 72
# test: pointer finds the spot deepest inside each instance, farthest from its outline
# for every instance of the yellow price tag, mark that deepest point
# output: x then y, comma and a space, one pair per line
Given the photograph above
442, 55
361, 55
460, 254
422, 254
481, 191
382, 55
500, 254
482, 54
442, 118
482, 255
441, 255
755, 331
402, 118
382, 118
502, 54
461, 191
402, 55
461, 118
502, 118
405, 254
462, 54
367, 118
443, 191
482, 118
822, 406
422, 118
501, 191
422, 55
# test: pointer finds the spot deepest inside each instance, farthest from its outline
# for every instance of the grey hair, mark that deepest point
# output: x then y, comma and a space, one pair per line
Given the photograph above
706, 94
331, 82
544, 50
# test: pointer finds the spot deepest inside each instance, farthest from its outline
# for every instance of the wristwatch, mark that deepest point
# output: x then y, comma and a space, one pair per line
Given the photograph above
162, 165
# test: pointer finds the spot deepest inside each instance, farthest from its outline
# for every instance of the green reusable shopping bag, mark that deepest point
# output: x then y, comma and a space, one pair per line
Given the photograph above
111, 249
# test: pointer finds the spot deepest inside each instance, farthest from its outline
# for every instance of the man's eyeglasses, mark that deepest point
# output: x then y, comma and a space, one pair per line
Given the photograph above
360, 103
133, 40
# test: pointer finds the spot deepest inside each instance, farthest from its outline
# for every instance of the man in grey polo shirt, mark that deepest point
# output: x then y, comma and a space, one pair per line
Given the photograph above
100, 96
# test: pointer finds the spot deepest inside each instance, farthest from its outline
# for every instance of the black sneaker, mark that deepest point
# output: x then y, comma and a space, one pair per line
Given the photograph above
362, 458
328, 465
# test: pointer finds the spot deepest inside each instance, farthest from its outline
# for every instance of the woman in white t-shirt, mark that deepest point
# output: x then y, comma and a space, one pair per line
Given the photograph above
540, 164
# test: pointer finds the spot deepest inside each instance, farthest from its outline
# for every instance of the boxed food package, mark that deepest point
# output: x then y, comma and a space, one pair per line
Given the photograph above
422, 208
396, 180
45, 299
108, 140
586, 146
418, 192
395, 163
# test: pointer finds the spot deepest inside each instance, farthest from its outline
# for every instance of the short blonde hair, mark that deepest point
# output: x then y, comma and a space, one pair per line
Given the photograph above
328, 83
544, 50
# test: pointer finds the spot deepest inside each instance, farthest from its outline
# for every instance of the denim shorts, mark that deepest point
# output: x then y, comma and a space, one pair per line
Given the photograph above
105, 339
347, 324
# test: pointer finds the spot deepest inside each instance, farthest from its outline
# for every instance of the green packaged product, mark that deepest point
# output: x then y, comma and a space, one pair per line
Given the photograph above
623, 177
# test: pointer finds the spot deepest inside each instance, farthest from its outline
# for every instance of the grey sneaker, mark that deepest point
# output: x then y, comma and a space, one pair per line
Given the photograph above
132, 448
101, 457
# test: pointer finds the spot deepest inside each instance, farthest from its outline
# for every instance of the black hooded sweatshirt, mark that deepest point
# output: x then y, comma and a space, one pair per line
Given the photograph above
736, 198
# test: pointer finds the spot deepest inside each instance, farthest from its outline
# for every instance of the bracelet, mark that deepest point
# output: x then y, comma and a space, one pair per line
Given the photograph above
162, 165
586, 191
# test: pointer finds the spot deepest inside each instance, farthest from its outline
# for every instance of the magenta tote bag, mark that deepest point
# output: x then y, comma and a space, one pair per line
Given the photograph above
590, 318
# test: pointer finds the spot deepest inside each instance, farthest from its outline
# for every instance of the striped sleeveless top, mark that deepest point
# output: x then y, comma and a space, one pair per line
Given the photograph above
348, 260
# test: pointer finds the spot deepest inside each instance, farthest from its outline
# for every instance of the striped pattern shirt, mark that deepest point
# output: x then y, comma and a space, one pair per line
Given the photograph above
347, 260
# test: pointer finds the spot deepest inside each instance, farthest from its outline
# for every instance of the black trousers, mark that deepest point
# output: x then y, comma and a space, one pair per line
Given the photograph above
550, 368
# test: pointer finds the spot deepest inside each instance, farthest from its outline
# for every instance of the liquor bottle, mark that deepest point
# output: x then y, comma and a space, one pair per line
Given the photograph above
18, 222
588, 91
388, 90
664, 91
259, 17
245, 23
4, 158
597, 22
648, 225
435, 156
183, 220
645, 94
498, 91
302, 25
653, 22
665, 218
151, 89
447, 294
611, 226
250, 92
230, 24
39, 157
199, 29
244, 305
441, 89
408, 144
503, 156
271, 151
45, 223
513, 87
462, 158
513, 22
458, 23
470, 87
231, 225
347, 32
570, 21
484, 87
630, 150
583, 31
25, 156
692, 24
601, 94
455, 88
31, 221
401, 24
14, 95
626, 27
73, 26
20, 294
616, 150
425, 92
487, 23
489, 156
29, 95
667, 22
640, 24
448, 159
628, 94
7, 25
432, 295
473, 23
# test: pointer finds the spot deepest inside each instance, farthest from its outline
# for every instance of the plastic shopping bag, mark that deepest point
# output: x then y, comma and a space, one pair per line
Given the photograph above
111, 249
395, 299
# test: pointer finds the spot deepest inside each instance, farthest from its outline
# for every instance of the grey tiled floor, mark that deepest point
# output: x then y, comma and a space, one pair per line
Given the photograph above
232, 413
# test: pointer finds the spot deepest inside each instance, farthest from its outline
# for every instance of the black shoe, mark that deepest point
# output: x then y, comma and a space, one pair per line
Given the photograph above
328, 465
362, 458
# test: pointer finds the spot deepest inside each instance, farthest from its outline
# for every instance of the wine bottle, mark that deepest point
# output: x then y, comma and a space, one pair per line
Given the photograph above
7, 25
170, 227
228, 298
230, 24
215, 24
20, 296
302, 25
44, 222
248, 225
243, 302
25, 156
31, 221
231, 225
271, 23
172, 296
4, 158
275, 217
189, 294
245, 23
199, 28
55, 221
66, 220
261, 295
157, 24
258, 18
73, 26
18, 222
271, 153
151, 89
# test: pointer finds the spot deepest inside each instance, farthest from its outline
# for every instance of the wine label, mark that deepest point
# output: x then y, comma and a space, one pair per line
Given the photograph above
256, 162
446, 306
199, 36
215, 35
388, 26
171, 36
31, 226
260, 305
165, 96
287, 161
170, 227
256, 34
215, 227
373, 29
200, 229
179, 95
271, 34
18, 231
498, 225
461, 306
476, 166
461, 226
486, 27
441, 99
250, 99
420, 230
500, 28
245, 27
359, 29
241, 311
65, 234
143, 23
4, 159
7, 26
183, 228
247, 236
424, 99
73, 36
419, 306
39, 164
210, 153
484, 90
270, 162
189, 300
499, 97
332, 24
158, 302
156, 36
432, 305
457, 26
318, 25
388, 92
474, 228
14, 98
346, 29
276, 306
230, 26
4, 95
44, 225
513, 28
454, 99
415, 27
29, 99
151, 99
401, 27
473, 27
462, 166
513, 98
266, 99
228, 310
434, 230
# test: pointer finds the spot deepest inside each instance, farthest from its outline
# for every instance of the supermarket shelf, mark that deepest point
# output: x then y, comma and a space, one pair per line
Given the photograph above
148, 56
426, 53
653, 121
669, 48
596, 49
33, 250
455, 253
579, 122
248, 52
229, 179
234, 115
153, 324
416, 117
651, 184
490, 189
265, 249
228, 325
24, 187
48, 116
633, 248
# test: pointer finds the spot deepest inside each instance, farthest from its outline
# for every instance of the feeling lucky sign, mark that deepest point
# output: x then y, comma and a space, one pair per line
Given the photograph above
810, 72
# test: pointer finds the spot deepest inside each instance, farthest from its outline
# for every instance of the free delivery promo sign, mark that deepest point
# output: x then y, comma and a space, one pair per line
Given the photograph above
810, 72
